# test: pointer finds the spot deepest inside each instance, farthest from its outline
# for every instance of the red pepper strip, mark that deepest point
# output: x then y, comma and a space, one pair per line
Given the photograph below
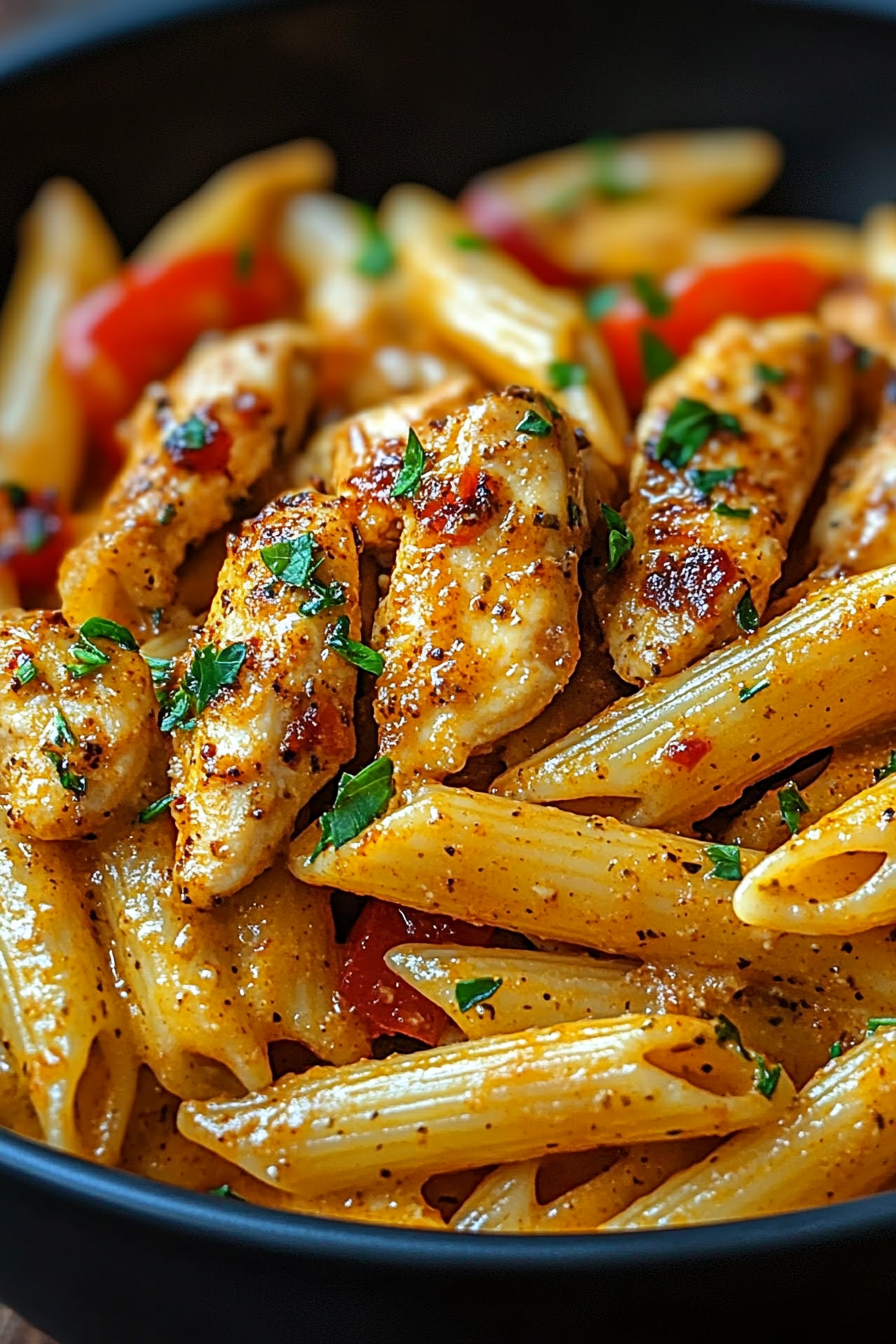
757, 288
493, 217
138, 326
383, 1000
35, 533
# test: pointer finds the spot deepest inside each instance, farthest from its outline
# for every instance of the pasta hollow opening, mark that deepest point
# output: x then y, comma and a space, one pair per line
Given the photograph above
839, 876
95, 1107
723, 1073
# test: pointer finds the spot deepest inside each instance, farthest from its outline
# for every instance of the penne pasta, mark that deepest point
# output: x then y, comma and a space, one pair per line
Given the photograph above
879, 245
16, 1111
836, 877
834, 248
693, 742
238, 206
837, 1140
506, 1098
66, 249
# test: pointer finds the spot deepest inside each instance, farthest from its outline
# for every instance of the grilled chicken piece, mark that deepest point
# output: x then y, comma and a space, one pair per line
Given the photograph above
197, 445
479, 628
271, 739
783, 390
72, 747
361, 456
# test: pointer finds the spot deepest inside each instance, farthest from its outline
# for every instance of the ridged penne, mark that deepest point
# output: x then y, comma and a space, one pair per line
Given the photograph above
509, 327
832, 248
59, 1010
238, 206
699, 554
837, 1140
688, 744
66, 248
198, 443
244, 766
72, 746
488, 558
506, 1098
838, 876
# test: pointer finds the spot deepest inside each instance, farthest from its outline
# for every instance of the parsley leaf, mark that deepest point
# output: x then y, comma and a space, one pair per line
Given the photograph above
747, 692
244, 262
209, 672
226, 1192
565, 373
25, 671
656, 357
191, 436
726, 1031
601, 301
875, 1022
656, 303
573, 512
470, 992
62, 733
793, 806
155, 809
706, 481
160, 670
608, 178
726, 862
881, 772
324, 596
360, 799
97, 627
726, 511
407, 482
746, 615
377, 257
765, 1079
68, 778
87, 658
470, 242
166, 515
690, 424
767, 373
619, 539
294, 561
352, 650
533, 423
836, 1050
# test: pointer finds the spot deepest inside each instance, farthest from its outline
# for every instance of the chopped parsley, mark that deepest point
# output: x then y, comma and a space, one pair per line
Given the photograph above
160, 669
85, 652
619, 539
155, 809
690, 424
726, 1032
191, 436
726, 862
746, 615
68, 778
407, 482
765, 1079
767, 373
573, 512
25, 671
295, 562
470, 242
656, 357
881, 771
656, 303
747, 692
209, 672
470, 992
533, 423
706, 481
97, 627
360, 799
225, 1192
166, 515
352, 650
793, 806
608, 179
376, 257
565, 373
62, 733
875, 1022
244, 262
726, 511
87, 658
835, 1051
323, 596
601, 301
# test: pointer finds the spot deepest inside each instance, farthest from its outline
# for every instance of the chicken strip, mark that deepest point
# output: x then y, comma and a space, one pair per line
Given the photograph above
731, 443
479, 628
77, 720
278, 721
361, 456
197, 445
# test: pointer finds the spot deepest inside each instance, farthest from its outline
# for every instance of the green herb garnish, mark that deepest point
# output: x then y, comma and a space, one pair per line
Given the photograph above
619, 539
726, 1032
470, 992
608, 179
875, 1022
573, 512
746, 615
209, 672
87, 658
360, 799
601, 301
244, 262
62, 733
726, 862
656, 303
155, 809
690, 424
25, 671
407, 482
767, 373
470, 242
192, 436
793, 806
565, 373
323, 596
726, 511
533, 423
835, 1051
166, 515
226, 1192
706, 481
294, 561
99, 628
377, 257
359, 655
881, 771
656, 357
765, 1079
747, 692
68, 778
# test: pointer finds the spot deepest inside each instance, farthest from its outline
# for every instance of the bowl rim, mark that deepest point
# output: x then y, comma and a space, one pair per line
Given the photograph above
370, 1245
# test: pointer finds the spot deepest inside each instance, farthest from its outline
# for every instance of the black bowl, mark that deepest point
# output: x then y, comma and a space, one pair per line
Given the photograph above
141, 105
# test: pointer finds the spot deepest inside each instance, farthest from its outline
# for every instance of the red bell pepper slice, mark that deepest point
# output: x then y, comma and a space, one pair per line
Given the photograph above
494, 218
35, 533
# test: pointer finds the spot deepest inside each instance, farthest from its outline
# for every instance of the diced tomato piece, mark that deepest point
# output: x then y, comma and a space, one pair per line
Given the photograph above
138, 326
35, 533
493, 217
757, 287
383, 1000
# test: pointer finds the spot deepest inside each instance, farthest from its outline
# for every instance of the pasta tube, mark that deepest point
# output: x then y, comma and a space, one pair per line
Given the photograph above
16, 1111
830, 247
686, 745
506, 1098
836, 1141
703, 559
66, 249
59, 1009
238, 206
510, 328
836, 877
